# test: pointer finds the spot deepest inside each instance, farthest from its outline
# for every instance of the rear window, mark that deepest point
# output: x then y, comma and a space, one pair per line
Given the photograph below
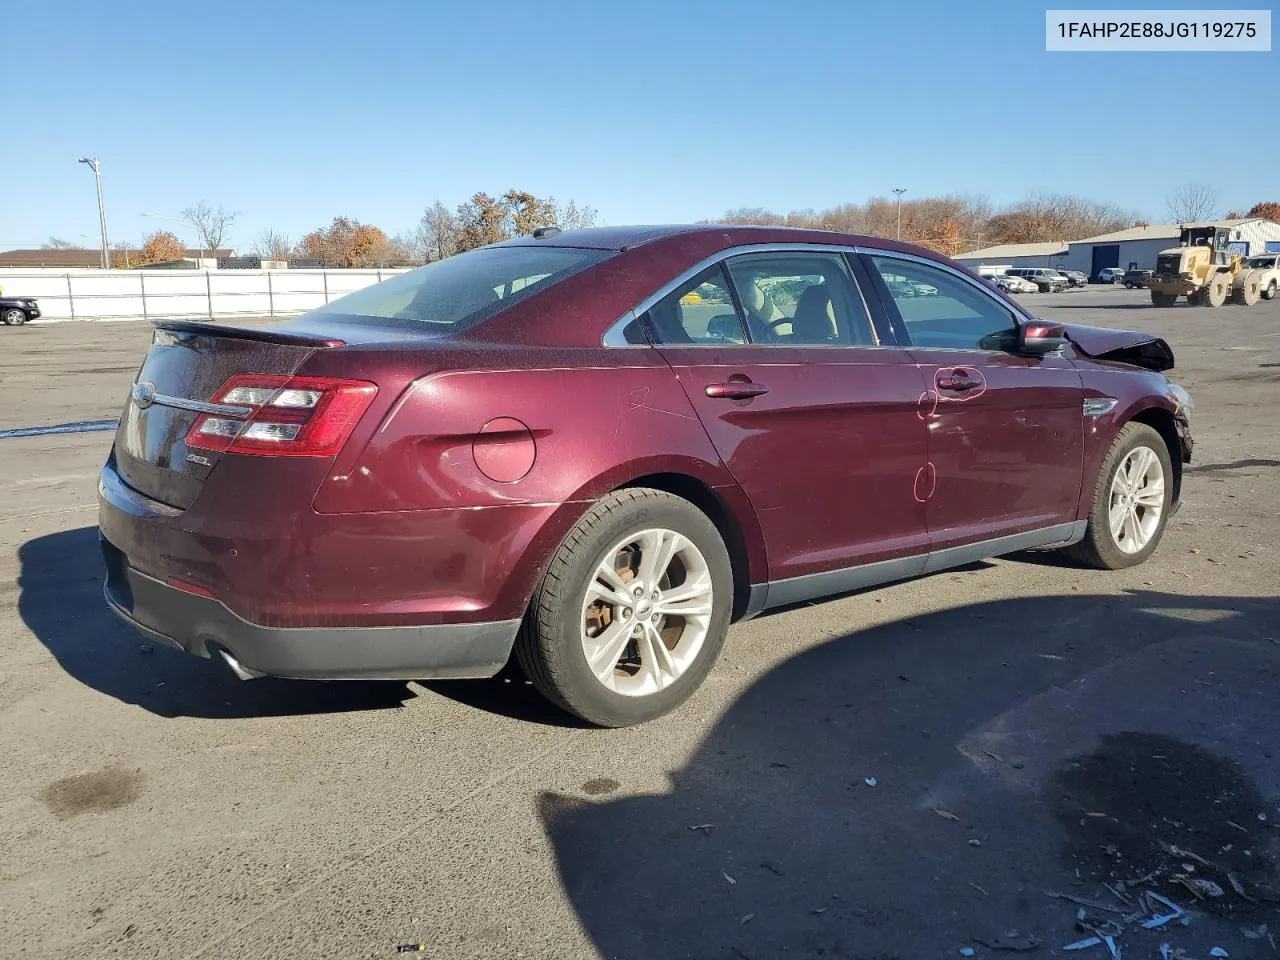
463, 290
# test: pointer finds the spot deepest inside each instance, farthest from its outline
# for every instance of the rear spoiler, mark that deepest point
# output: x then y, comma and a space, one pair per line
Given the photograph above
262, 334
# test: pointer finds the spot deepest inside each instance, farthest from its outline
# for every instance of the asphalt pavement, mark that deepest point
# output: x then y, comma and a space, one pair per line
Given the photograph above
905, 772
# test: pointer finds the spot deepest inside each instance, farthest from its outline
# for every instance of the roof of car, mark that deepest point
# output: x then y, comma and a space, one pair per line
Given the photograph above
729, 235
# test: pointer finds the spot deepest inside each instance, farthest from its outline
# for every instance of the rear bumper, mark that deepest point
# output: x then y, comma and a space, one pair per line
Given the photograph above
200, 624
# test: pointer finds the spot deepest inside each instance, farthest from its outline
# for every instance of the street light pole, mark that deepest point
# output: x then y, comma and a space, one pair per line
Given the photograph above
899, 191
96, 167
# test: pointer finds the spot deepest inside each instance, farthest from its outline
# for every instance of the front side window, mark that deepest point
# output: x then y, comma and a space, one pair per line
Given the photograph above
800, 299
954, 314
461, 291
700, 311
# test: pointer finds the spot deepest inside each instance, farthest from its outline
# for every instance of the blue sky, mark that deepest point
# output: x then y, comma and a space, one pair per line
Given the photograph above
292, 113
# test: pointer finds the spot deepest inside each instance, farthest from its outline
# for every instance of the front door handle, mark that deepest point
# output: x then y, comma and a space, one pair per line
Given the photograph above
735, 390
958, 384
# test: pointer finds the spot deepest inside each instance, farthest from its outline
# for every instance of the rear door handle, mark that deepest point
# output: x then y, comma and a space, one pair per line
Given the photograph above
735, 390
958, 384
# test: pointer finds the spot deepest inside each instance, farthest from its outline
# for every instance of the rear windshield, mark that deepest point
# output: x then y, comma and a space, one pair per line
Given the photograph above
463, 290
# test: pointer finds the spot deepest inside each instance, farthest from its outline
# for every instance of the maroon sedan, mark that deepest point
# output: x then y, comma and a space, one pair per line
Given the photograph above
597, 448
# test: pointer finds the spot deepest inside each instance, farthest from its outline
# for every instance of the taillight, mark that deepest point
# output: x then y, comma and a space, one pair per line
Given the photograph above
288, 416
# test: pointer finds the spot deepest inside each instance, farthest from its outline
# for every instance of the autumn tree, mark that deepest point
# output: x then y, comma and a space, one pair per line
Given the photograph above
211, 224
527, 213
481, 221
162, 247
1267, 209
370, 247
1192, 202
273, 245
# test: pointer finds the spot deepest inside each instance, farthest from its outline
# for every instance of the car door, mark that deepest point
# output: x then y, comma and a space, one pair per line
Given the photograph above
812, 410
1006, 431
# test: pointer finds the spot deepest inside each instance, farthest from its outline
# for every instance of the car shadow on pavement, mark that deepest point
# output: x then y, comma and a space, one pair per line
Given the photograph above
914, 789
60, 600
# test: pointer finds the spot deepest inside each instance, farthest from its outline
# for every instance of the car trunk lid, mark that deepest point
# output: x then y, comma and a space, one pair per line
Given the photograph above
186, 365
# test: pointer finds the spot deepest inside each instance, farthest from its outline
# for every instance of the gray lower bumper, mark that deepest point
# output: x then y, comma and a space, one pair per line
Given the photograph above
195, 624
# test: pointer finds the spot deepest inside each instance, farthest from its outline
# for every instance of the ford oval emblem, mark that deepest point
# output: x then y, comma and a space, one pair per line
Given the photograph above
144, 394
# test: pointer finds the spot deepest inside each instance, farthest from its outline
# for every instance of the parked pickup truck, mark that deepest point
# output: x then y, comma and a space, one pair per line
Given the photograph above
1135, 279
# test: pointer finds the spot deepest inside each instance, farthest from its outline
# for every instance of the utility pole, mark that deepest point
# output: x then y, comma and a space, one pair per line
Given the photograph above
96, 167
899, 191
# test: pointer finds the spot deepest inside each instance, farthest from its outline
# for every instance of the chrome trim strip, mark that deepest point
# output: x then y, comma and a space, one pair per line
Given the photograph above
1097, 406
200, 406
781, 593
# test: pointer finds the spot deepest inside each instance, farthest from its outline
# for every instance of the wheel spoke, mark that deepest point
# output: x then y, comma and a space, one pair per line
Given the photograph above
1144, 457
608, 575
608, 592
608, 648
655, 658
656, 552
691, 599
1116, 517
1151, 496
1132, 529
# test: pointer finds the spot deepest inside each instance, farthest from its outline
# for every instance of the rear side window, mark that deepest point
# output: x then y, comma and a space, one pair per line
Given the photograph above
699, 311
463, 290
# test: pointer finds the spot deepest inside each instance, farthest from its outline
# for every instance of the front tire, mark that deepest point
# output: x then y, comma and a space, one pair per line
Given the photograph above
14, 317
1215, 291
1132, 498
632, 612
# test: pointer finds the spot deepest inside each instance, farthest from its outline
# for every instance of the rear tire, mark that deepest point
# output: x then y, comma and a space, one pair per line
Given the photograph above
14, 317
1135, 488
1215, 291
646, 662
1163, 299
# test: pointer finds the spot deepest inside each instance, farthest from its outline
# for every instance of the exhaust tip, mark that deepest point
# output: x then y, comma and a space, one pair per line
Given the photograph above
239, 669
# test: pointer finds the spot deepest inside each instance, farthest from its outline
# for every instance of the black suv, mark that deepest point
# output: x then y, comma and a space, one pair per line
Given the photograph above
1135, 279
15, 311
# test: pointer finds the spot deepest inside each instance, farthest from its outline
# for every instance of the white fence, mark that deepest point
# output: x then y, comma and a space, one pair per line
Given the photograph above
143, 294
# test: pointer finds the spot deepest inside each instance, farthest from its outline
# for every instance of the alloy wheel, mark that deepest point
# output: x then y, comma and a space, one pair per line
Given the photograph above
646, 612
1137, 499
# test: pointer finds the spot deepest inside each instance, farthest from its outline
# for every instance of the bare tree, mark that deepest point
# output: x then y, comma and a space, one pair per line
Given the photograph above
1192, 202
211, 224
57, 243
570, 216
436, 235
272, 244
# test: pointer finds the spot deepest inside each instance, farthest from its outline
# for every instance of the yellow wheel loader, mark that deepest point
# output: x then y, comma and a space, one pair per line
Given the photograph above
1204, 270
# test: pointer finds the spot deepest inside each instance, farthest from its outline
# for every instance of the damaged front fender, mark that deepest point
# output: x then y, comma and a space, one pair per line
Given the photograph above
1121, 346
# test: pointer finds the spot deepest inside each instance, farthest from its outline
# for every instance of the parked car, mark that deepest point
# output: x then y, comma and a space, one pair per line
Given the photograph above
15, 311
528, 450
1012, 284
1135, 279
1045, 279
1111, 275
1269, 281
1077, 277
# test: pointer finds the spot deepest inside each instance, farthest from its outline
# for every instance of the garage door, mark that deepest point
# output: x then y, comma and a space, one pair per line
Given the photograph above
1103, 257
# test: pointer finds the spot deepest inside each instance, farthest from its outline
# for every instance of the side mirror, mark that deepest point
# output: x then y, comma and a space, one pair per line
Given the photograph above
1039, 337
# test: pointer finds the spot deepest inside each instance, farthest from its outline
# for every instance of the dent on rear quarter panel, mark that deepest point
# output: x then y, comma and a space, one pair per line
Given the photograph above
589, 424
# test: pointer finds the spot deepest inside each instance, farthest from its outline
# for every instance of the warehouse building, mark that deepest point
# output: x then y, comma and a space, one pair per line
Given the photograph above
1139, 245
1003, 256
